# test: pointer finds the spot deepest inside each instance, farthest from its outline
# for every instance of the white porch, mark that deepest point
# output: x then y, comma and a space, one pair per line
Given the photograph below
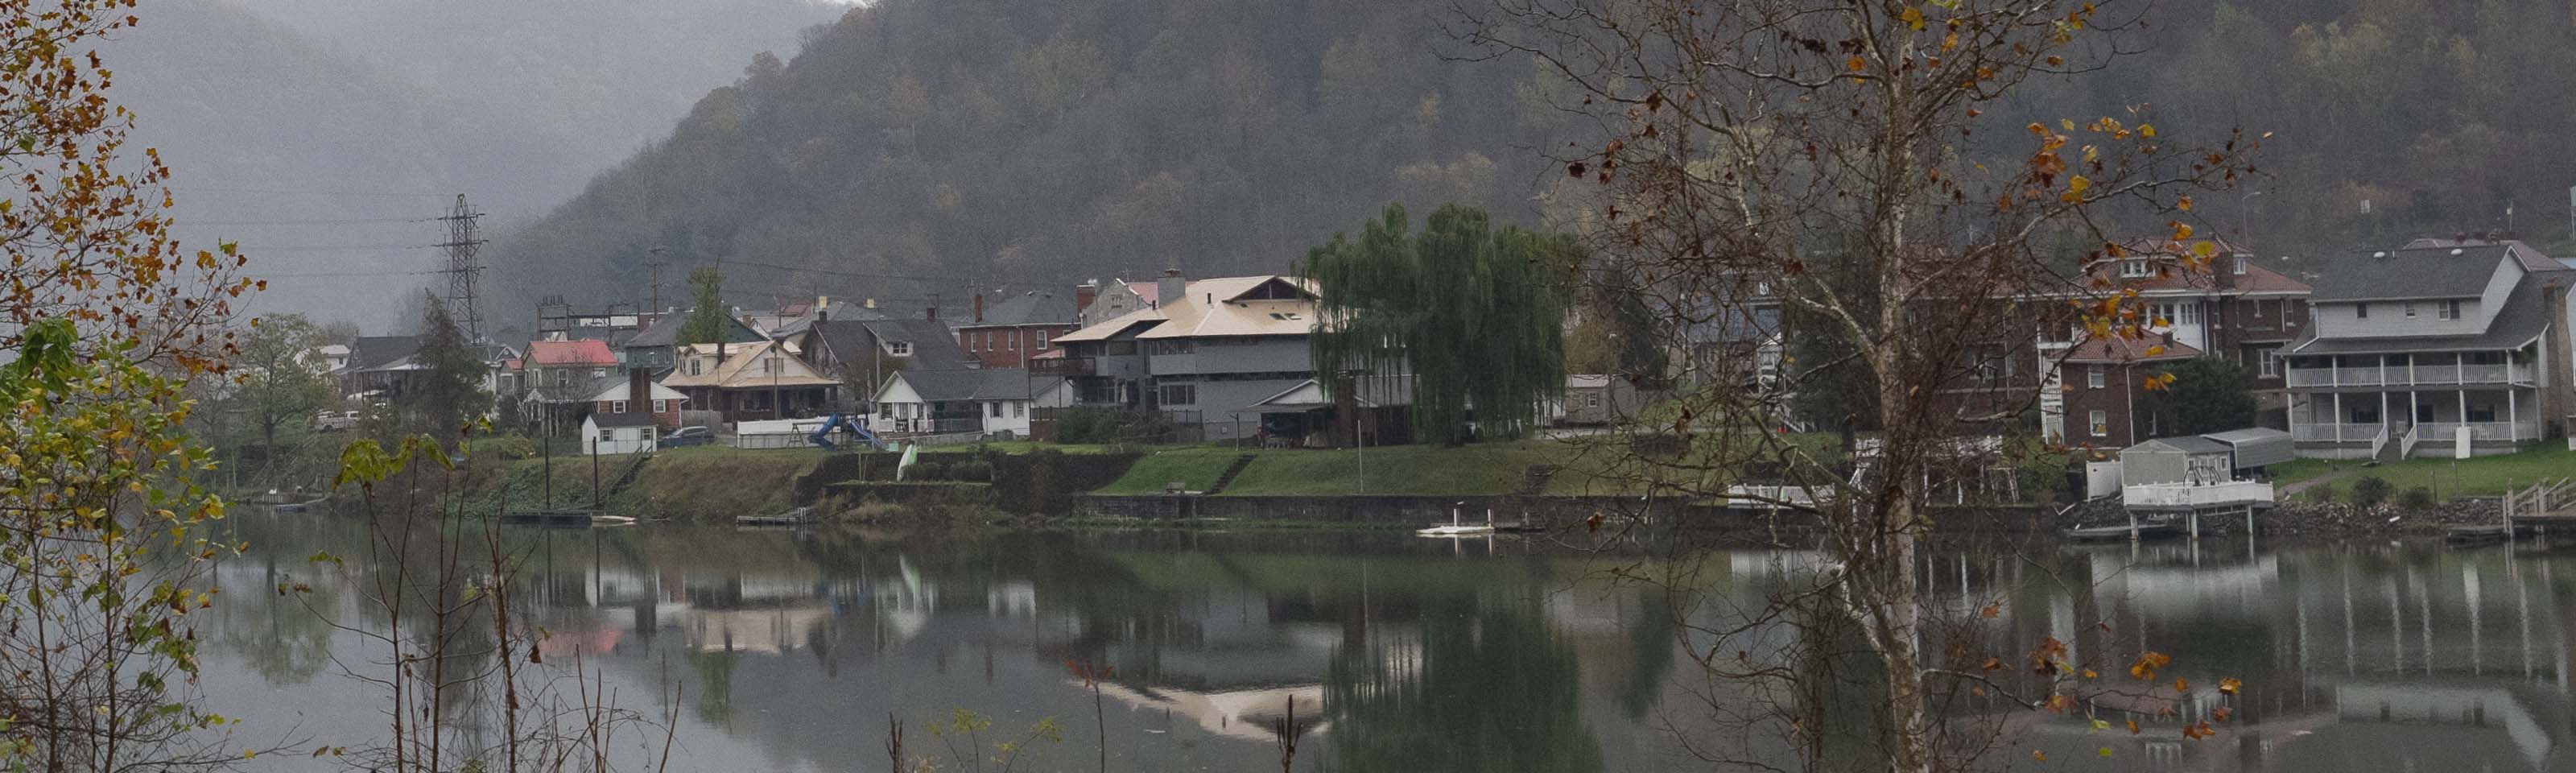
2371, 423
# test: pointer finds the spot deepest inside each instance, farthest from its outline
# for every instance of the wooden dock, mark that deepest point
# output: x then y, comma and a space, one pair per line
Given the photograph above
797, 517
564, 519
2121, 533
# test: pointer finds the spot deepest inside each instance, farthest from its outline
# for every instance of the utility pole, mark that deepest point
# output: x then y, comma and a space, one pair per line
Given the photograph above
653, 263
462, 238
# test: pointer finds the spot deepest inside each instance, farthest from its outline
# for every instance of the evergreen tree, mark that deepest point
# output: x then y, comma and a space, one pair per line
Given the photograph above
2209, 395
1476, 316
449, 392
706, 322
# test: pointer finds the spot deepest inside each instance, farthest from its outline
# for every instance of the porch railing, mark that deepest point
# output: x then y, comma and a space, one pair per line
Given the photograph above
2436, 432
2482, 431
2421, 374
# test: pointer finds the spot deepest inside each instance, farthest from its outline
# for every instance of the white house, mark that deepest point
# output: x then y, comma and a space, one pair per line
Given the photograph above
989, 401
619, 433
2414, 347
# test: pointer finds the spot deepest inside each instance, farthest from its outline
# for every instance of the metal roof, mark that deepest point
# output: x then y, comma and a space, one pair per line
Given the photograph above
2418, 273
2189, 444
2524, 317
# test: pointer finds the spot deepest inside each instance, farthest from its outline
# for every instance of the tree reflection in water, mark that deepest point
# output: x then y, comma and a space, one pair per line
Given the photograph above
1430, 702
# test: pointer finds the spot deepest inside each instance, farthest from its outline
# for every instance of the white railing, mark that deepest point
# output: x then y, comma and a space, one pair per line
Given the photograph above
2406, 445
2481, 431
2421, 374
2328, 432
2378, 442
2202, 495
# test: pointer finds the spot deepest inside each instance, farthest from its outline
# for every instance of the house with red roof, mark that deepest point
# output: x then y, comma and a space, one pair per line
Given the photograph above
2224, 304
556, 379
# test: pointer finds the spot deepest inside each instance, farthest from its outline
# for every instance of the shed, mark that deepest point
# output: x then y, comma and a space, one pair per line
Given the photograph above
2256, 447
2190, 459
619, 433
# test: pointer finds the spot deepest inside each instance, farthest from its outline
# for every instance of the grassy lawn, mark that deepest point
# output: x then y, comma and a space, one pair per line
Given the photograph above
2480, 476
1589, 466
1195, 467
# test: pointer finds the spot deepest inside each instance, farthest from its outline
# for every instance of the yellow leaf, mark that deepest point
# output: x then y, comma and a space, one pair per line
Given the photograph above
2229, 685
2183, 204
2181, 230
2069, 123
1856, 64
2038, 756
2147, 130
1913, 18
2155, 350
2105, 752
2133, 727
2204, 249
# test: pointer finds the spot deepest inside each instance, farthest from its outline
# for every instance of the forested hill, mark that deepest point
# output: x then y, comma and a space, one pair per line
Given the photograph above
957, 143
998, 142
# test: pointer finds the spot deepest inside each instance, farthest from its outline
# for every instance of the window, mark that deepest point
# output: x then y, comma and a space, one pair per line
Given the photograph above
2482, 412
1042, 340
617, 406
2271, 361
1592, 400
2258, 309
2100, 421
607, 434
648, 434
1019, 410
899, 348
2361, 311
2241, 264
2093, 376
2135, 268
1178, 394
997, 409
2407, 309
2446, 310
661, 406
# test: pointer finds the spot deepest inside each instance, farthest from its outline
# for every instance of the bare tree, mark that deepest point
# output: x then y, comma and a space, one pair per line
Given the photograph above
1833, 161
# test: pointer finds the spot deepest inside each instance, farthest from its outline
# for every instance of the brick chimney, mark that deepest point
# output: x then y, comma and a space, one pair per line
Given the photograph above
979, 308
1171, 287
639, 391
1084, 294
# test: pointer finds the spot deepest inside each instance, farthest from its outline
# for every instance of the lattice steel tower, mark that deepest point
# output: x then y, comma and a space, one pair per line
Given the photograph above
462, 238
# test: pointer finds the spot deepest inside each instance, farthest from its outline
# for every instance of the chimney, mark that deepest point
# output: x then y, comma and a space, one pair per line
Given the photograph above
1084, 294
979, 307
932, 312
639, 391
871, 303
1171, 287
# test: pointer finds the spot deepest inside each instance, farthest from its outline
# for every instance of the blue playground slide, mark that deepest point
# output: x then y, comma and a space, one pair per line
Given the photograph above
823, 435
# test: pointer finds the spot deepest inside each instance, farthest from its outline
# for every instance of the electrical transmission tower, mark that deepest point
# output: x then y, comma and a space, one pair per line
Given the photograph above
461, 268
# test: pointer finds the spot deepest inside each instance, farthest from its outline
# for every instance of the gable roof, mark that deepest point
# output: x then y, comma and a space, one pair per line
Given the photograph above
1035, 307
613, 388
1218, 308
736, 371
577, 353
984, 384
934, 346
2121, 350
2414, 273
369, 352
2524, 317
2189, 444
666, 331
627, 419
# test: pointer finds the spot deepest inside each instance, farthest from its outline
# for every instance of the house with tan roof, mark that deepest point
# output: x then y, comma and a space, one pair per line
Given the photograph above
750, 382
1206, 352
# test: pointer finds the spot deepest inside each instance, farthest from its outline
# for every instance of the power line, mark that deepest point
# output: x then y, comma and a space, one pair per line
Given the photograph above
311, 274
340, 221
305, 191
333, 247
949, 278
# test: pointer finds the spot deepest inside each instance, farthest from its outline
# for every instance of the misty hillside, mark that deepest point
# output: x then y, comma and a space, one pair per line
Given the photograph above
956, 143
921, 146
613, 73
315, 133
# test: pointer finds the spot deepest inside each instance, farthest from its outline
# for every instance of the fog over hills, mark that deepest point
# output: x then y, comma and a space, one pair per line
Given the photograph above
321, 135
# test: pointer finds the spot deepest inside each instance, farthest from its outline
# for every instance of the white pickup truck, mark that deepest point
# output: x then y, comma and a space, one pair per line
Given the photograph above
334, 421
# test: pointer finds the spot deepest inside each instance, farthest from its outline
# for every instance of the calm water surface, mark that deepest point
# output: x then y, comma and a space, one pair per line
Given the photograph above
792, 649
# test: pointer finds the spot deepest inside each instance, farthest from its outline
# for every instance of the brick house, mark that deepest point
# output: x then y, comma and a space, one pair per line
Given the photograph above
1007, 333
2103, 388
1097, 302
636, 392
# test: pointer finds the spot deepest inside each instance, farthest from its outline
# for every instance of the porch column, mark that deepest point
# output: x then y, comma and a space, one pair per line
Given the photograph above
2338, 416
2293, 414
2410, 380
2463, 392
2383, 406
2334, 371
2512, 415
2411, 402
2460, 375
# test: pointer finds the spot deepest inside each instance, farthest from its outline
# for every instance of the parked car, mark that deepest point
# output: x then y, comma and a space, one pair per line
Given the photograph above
688, 436
334, 421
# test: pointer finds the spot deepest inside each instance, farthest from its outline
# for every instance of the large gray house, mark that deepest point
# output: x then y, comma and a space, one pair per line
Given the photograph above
2415, 347
1204, 353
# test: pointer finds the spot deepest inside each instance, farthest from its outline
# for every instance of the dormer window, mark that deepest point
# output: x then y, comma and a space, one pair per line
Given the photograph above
2241, 265
2136, 269
899, 348
2446, 310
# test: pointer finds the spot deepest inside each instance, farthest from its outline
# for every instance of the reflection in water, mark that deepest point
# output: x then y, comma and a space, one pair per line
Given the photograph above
1403, 654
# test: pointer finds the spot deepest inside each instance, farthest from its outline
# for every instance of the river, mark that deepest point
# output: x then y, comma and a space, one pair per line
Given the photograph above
791, 650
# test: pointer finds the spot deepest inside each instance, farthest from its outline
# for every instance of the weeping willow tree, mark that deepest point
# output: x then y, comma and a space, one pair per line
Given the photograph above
1474, 314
